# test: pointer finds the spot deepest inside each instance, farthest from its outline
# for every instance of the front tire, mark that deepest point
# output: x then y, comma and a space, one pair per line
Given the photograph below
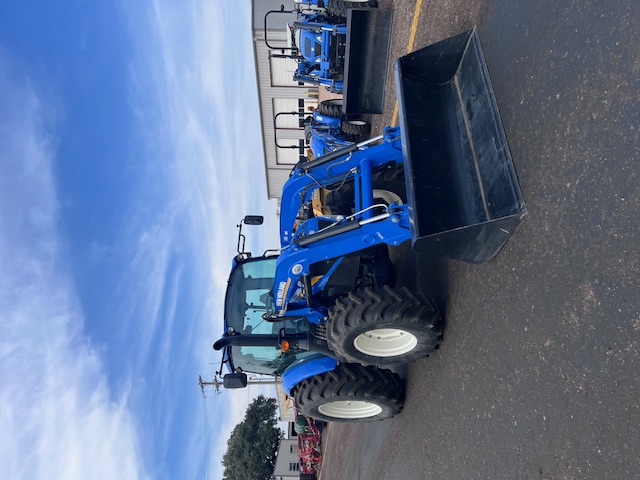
331, 108
357, 128
350, 393
383, 327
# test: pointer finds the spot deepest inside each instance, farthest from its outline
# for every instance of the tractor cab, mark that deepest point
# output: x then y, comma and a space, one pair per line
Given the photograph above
248, 299
255, 341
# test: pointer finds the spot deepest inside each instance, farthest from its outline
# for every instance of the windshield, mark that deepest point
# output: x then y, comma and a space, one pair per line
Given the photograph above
249, 296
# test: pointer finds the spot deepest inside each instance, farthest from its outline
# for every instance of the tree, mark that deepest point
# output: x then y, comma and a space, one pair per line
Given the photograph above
252, 447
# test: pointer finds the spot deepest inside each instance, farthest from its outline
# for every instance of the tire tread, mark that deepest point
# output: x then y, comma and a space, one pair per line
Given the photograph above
368, 309
351, 381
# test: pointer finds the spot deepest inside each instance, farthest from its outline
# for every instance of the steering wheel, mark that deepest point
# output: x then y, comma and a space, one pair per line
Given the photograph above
271, 316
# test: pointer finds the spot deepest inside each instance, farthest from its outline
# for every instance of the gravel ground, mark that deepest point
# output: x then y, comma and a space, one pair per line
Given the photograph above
537, 375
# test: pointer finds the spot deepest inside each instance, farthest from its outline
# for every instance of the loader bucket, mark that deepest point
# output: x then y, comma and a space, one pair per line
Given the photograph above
366, 60
463, 193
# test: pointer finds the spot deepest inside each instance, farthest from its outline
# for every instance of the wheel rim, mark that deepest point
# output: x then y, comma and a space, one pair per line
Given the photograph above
385, 342
350, 409
387, 196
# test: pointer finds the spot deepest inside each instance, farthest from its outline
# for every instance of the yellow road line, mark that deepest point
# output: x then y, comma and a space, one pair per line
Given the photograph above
412, 39
414, 25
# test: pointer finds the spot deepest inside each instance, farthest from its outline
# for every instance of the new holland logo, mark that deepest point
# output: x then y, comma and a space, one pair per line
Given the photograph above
280, 293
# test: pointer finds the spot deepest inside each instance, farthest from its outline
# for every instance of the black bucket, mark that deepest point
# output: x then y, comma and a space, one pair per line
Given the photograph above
463, 193
366, 60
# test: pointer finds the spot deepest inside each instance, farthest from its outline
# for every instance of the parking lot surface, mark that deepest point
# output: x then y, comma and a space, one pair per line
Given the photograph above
537, 376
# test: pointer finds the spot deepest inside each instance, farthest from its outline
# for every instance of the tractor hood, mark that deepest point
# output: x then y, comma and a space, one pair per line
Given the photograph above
309, 44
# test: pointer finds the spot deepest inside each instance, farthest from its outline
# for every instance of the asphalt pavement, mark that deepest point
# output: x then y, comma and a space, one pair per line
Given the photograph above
537, 376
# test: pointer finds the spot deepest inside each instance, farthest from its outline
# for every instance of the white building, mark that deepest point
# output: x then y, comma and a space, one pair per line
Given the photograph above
278, 93
288, 461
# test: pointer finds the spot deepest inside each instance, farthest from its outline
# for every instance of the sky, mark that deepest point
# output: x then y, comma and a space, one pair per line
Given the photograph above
130, 148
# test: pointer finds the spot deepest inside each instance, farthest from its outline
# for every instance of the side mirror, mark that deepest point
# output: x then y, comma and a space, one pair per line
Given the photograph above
235, 380
253, 220
248, 220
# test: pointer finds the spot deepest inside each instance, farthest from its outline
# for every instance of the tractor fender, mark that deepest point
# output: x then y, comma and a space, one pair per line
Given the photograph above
306, 368
326, 119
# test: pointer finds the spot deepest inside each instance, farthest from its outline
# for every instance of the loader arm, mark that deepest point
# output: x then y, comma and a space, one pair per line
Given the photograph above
293, 282
353, 163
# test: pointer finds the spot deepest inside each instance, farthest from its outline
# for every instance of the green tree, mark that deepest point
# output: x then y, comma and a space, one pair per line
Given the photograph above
252, 447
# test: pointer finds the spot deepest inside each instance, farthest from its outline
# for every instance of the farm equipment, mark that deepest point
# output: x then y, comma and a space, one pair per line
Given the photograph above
309, 440
328, 129
342, 46
321, 312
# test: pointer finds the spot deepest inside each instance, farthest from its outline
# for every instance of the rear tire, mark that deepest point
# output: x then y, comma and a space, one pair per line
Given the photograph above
383, 327
339, 8
350, 393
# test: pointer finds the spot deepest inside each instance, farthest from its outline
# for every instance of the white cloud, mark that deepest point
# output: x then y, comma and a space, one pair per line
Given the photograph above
193, 93
208, 120
58, 417
193, 64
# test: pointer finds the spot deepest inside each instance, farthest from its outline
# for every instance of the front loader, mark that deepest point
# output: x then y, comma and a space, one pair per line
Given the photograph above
321, 312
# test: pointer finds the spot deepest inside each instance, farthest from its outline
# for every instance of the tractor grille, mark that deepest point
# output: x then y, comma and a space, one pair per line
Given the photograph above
312, 49
338, 50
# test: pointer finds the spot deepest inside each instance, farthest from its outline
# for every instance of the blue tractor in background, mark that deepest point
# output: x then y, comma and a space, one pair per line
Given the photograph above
342, 45
322, 312
328, 129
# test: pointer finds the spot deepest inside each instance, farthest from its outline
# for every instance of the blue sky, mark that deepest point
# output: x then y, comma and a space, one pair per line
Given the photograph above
129, 149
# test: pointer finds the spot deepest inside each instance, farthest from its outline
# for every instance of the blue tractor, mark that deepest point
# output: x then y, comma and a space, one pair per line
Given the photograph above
342, 45
321, 312
328, 129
